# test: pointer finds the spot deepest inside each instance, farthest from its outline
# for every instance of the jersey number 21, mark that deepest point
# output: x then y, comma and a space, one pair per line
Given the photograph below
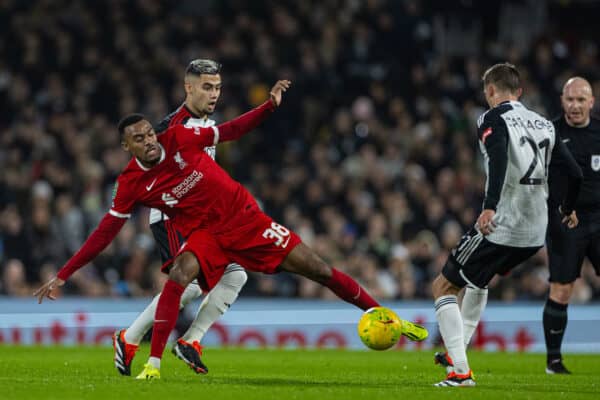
527, 179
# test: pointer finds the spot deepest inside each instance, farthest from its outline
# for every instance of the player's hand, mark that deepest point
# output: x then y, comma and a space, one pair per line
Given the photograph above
485, 223
571, 220
47, 288
277, 91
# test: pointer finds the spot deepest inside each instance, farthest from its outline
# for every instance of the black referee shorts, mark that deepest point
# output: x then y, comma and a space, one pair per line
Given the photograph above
475, 260
168, 240
568, 247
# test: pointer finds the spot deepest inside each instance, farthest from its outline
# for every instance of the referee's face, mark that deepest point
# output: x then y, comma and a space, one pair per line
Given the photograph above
202, 93
577, 102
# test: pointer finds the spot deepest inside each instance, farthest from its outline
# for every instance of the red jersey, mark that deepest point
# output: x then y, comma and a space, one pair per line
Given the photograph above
187, 184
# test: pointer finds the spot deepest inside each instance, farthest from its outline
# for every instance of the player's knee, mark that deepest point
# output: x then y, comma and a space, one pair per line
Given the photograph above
235, 279
561, 292
442, 287
185, 269
436, 287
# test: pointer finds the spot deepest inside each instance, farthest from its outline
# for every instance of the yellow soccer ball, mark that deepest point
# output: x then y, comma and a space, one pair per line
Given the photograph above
379, 328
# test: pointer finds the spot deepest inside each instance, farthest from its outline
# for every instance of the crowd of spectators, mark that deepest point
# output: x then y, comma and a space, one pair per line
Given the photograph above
372, 159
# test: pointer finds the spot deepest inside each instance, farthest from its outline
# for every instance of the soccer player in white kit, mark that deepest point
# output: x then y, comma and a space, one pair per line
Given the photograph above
518, 145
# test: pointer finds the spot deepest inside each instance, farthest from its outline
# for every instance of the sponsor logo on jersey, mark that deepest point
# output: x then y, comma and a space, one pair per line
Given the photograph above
188, 183
285, 244
150, 186
596, 162
179, 160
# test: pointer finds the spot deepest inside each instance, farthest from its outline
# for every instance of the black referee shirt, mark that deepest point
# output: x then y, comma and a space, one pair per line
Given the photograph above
584, 145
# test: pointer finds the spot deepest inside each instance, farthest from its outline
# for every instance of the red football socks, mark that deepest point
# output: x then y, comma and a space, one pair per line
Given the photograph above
165, 318
349, 290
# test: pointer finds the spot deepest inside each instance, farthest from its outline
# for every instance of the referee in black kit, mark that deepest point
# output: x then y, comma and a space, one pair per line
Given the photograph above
567, 248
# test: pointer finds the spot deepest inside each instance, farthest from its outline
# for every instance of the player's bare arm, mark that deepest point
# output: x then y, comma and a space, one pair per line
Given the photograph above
277, 91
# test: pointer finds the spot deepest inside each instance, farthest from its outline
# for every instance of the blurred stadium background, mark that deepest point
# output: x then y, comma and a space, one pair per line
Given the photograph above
372, 159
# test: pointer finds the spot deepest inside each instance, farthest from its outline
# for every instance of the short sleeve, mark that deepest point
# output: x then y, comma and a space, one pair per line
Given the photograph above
123, 200
195, 135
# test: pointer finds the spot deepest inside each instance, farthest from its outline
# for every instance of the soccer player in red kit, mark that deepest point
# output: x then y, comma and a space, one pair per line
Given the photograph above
202, 84
220, 219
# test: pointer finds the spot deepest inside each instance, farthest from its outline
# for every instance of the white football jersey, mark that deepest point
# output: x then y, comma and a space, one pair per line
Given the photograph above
521, 211
156, 215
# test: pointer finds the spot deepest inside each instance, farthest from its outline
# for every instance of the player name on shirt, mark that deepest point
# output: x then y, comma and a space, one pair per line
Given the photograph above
538, 124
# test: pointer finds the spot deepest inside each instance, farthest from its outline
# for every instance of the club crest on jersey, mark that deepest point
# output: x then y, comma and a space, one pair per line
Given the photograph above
596, 162
179, 160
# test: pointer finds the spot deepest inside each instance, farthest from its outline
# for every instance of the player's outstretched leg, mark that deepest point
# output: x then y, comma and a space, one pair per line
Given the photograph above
304, 261
126, 341
215, 304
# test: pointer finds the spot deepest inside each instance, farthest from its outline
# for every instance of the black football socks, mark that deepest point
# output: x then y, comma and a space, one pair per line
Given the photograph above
555, 322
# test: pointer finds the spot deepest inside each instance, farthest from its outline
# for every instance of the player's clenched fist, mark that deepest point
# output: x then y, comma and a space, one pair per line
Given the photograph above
276, 91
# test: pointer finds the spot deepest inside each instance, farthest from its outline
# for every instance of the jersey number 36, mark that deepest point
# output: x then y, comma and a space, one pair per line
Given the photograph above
280, 233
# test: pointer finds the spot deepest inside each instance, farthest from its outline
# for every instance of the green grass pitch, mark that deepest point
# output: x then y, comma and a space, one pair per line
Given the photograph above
88, 373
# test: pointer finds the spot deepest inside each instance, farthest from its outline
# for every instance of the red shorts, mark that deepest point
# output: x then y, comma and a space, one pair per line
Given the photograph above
260, 245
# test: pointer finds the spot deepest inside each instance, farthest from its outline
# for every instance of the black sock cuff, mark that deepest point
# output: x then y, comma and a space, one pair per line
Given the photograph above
556, 306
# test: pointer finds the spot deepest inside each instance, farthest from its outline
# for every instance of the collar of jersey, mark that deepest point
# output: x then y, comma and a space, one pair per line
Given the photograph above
162, 158
193, 114
510, 102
